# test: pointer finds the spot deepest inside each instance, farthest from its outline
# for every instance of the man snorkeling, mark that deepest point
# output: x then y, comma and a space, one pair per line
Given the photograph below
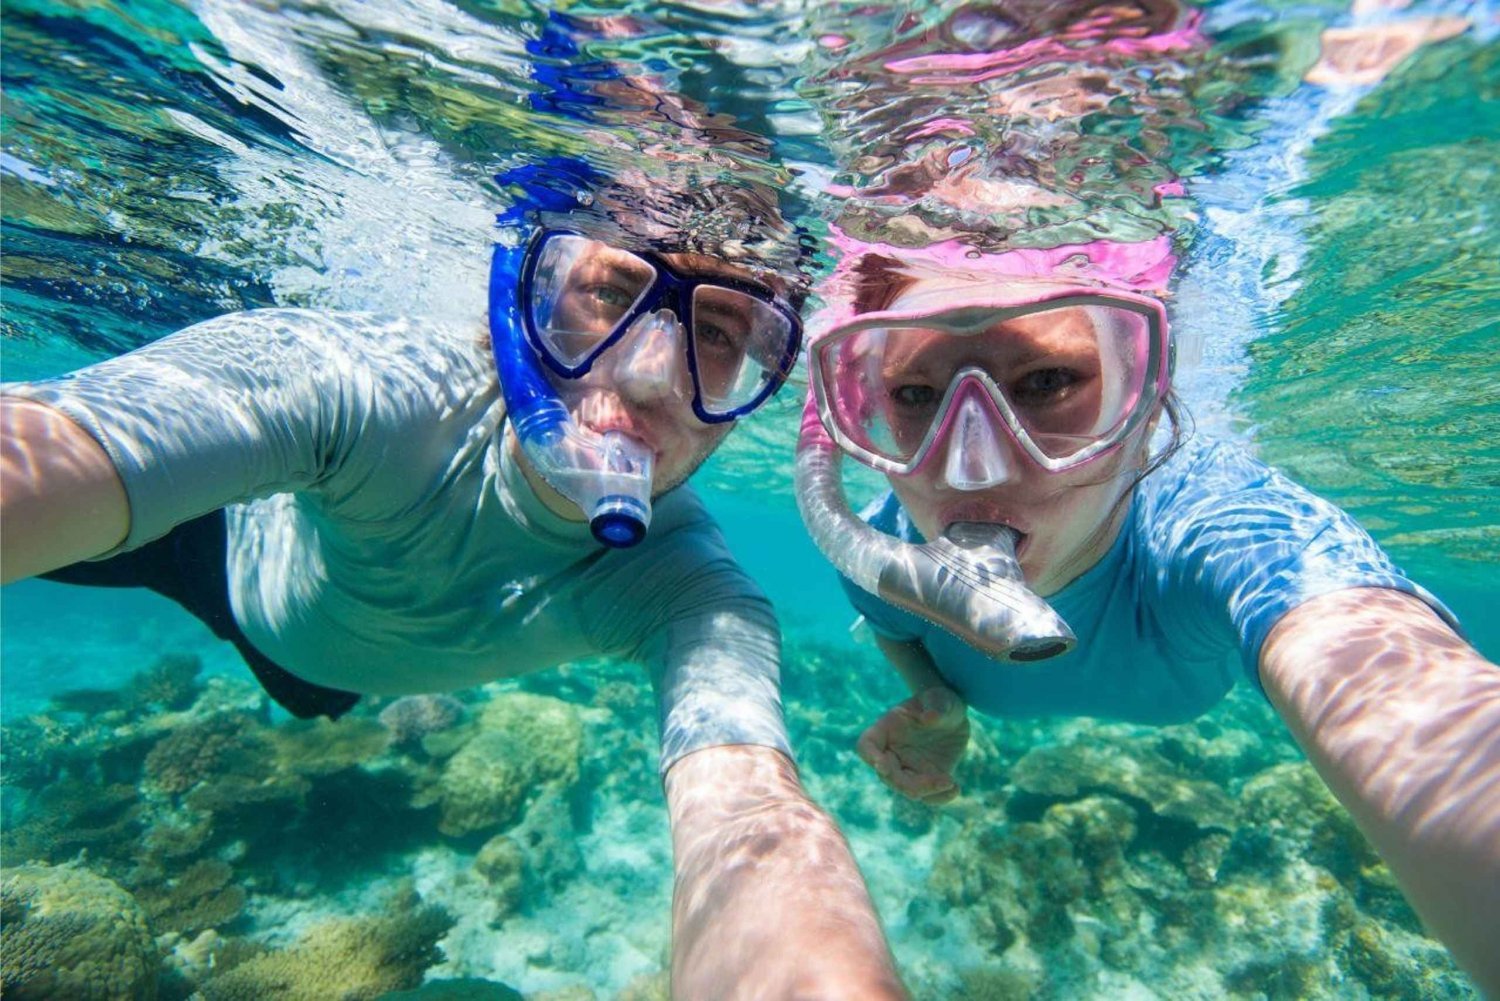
366, 505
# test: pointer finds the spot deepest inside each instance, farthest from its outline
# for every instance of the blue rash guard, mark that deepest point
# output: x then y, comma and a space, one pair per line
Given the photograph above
1216, 547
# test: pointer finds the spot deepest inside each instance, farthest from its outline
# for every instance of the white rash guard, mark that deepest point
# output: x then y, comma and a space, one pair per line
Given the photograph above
381, 538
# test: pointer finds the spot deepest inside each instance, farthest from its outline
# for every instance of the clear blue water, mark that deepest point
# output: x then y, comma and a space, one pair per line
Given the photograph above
163, 162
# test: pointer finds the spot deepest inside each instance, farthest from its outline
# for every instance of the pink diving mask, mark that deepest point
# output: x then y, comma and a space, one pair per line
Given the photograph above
1066, 372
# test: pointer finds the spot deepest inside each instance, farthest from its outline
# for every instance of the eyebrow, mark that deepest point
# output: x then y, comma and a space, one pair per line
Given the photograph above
704, 268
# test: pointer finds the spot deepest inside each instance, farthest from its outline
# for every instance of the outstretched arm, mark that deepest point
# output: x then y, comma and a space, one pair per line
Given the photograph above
1401, 718
768, 902
60, 498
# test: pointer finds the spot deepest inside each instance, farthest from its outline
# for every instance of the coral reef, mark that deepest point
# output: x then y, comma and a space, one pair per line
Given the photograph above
349, 959
67, 933
1098, 860
1084, 859
193, 753
521, 742
317, 747
200, 898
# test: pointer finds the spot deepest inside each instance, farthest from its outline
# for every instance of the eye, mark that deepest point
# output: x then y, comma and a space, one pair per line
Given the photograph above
914, 395
610, 296
714, 336
1045, 385
725, 336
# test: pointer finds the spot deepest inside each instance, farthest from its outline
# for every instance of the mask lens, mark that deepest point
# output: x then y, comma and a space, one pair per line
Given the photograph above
740, 344
581, 290
1069, 375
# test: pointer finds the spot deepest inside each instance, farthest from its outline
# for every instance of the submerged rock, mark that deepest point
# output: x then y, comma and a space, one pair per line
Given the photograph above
502, 863
67, 933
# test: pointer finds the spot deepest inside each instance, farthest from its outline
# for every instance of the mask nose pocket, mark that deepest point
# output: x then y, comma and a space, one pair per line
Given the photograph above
651, 361
977, 457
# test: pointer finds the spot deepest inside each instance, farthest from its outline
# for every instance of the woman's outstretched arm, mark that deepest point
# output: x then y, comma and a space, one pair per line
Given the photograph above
1401, 718
61, 500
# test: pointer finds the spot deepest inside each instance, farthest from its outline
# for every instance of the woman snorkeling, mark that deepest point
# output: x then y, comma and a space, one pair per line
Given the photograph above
1010, 399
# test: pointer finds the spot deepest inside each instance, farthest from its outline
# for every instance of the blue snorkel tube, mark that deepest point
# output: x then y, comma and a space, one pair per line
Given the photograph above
607, 475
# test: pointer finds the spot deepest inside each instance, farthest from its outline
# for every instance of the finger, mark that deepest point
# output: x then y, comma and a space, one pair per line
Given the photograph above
871, 745
924, 784
939, 798
885, 764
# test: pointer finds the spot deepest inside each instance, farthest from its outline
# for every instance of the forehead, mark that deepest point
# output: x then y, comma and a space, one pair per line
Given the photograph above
708, 266
688, 265
1055, 330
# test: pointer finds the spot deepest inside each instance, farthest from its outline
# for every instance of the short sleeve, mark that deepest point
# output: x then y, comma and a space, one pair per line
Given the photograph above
1253, 545
238, 407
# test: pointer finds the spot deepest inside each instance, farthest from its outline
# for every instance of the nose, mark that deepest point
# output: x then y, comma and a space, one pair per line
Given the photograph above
649, 364
979, 454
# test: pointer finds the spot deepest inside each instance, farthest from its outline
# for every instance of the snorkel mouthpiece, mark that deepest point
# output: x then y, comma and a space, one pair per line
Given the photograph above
619, 509
969, 582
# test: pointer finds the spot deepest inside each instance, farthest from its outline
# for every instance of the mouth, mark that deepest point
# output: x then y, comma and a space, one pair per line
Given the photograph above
622, 425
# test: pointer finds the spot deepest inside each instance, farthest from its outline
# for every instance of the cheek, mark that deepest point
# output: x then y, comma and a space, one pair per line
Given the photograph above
691, 446
1089, 496
916, 496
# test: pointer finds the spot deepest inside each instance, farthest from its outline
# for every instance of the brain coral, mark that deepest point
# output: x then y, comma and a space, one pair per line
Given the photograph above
67, 933
523, 740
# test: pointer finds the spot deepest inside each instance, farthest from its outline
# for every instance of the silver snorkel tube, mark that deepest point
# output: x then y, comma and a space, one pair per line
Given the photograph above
607, 475
968, 582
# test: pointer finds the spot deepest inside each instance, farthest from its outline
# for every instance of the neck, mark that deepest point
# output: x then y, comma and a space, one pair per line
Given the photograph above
550, 498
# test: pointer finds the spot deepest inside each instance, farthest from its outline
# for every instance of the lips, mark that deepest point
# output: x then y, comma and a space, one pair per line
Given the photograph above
977, 510
602, 413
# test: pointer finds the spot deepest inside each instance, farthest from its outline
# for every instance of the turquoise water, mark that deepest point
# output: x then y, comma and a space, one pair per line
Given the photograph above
166, 162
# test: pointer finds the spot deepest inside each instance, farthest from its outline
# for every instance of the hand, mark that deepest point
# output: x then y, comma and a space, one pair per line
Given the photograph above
915, 746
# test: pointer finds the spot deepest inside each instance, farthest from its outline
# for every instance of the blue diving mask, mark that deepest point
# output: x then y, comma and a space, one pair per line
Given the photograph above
558, 303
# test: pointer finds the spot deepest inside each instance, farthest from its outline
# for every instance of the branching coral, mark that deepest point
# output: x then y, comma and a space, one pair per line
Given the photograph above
68, 933
72, 815
170, 683
192, 753
199, 898
347, 960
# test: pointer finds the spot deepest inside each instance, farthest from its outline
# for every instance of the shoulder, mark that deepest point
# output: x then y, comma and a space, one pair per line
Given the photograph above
684, 540
1218, 486
1204, 465
339, 335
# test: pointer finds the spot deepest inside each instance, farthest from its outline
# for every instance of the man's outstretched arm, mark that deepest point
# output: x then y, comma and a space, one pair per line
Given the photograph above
768, 902
61, 500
